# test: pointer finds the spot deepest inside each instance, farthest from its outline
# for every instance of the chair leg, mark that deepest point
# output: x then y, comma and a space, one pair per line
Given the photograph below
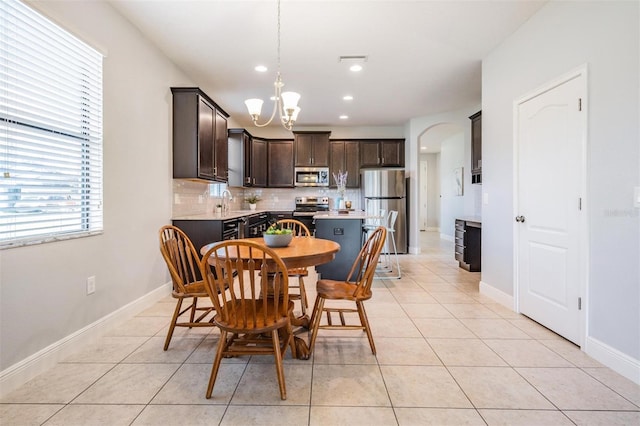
194, 307
316, 316
365, 323
395, 252
303, 296
279, 368
172, 326
216, 362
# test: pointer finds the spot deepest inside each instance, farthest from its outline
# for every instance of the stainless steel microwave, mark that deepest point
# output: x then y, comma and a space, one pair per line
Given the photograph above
312, 176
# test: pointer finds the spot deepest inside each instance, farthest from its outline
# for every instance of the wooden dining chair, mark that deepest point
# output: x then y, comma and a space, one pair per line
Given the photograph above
298, 229
183, 262
253, 314
356, 288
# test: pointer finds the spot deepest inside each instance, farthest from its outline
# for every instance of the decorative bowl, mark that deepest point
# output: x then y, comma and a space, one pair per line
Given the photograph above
277, 240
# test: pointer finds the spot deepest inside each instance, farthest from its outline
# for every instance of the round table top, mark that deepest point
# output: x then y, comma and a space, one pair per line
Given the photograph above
300, 253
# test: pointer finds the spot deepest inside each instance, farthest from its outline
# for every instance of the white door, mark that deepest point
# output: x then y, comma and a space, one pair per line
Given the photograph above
550, 223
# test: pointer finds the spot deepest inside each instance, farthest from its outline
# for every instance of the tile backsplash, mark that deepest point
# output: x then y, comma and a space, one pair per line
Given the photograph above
194, 197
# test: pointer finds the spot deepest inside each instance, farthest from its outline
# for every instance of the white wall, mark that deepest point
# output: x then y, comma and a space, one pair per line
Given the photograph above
43, 287
559, 38
451, 205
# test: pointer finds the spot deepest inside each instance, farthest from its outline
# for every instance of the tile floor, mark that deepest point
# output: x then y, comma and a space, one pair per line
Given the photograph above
446, 356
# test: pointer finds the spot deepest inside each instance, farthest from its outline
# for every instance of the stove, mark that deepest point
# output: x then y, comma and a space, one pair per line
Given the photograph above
307, 207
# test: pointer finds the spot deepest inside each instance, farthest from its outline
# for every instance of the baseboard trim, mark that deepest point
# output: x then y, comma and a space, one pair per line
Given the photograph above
43, 360
495, 294
614, 359
415, 250
446, 237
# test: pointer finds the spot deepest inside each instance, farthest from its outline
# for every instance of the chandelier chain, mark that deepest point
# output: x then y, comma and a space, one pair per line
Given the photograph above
278, 37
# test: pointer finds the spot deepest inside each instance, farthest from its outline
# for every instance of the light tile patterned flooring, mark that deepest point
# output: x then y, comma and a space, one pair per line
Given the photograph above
446, 356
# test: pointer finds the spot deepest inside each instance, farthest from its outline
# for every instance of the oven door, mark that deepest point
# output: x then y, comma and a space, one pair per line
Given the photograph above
307, 219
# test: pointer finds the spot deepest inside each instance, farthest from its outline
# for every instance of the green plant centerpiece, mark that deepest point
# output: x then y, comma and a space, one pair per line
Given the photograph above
277, 236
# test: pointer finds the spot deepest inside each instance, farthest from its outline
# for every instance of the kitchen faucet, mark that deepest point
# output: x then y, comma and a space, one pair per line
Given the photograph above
226, 199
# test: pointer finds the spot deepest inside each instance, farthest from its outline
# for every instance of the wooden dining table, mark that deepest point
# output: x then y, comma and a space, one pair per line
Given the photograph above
302, 252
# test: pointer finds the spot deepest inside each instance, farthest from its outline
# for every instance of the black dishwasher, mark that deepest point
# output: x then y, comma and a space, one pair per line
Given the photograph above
256, 224
231, 229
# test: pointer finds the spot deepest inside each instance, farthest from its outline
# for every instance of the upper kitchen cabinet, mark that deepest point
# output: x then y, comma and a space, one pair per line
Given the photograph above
199, 136
476, 147
239, 158
259, 163
345, 156
280, 160
382, 153
311, 149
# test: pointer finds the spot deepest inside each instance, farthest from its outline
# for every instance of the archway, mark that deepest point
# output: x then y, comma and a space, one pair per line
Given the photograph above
440, 150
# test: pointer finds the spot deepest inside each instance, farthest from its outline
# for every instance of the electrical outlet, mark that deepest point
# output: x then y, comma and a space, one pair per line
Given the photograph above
91, 284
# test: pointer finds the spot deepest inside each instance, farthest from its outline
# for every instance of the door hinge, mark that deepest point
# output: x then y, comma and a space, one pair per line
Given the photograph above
579, 303
580, 203
579, 104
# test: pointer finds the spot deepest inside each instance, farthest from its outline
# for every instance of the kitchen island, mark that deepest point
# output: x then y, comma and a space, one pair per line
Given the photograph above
346, 230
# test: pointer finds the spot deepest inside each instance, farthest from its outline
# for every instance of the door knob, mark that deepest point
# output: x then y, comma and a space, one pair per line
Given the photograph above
519, 218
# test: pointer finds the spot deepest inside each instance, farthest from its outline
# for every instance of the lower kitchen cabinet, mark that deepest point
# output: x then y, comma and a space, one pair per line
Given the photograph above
468, 244
203, 232
347, 233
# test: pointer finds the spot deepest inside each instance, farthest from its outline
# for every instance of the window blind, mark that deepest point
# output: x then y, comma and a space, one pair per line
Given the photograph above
50, 130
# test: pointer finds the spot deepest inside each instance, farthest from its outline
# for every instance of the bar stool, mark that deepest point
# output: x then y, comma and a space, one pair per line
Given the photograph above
391, 234
372, 224
386, 264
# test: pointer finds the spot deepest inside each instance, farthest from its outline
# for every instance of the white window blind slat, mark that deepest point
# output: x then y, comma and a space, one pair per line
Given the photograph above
50, 131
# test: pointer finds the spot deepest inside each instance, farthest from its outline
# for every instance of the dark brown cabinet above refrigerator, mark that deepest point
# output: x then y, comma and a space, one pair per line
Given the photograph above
199, 136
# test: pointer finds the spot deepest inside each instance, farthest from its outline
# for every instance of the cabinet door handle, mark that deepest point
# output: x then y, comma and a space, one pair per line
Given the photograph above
520, 219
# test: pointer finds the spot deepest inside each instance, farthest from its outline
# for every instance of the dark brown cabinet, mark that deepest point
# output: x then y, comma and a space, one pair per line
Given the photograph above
476, 147
468, 244
280, 160
345, 156
311, 149
259, 162
382, 153
199, 136
221, 149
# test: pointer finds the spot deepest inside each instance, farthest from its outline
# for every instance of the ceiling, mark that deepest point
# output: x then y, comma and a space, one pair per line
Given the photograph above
423, 57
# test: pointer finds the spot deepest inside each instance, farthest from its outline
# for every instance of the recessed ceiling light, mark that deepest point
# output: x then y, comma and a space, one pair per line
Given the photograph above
344, 117
347, 98
355, 61
424, 148
261, 68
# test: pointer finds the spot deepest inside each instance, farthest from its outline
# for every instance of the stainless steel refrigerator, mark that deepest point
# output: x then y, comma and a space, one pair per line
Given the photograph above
386, 189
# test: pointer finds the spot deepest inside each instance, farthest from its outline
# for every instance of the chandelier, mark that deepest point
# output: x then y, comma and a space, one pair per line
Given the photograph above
286, 103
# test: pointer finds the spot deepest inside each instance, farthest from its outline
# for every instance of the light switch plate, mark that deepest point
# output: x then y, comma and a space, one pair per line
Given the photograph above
636, 197
485, 198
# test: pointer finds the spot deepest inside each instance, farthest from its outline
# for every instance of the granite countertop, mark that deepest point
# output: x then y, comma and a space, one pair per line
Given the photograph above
234, 214
333, 214
477, 219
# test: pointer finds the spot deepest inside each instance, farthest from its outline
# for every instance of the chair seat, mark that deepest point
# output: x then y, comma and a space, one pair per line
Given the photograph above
340, 290
195, 289
255, 322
